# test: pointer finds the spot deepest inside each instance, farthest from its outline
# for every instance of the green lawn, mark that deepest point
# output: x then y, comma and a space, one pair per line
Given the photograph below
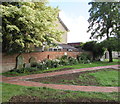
78, 66
9, 90
103, 77
106, 77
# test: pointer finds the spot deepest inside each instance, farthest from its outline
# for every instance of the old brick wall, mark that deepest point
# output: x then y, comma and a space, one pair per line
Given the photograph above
8, 61
38, 55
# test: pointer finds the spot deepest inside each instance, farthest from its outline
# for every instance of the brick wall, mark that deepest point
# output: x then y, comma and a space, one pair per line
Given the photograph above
8, 61
38, 55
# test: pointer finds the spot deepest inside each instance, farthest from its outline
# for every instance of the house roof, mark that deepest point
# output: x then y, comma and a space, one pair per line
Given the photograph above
66, 46
63, 24
74, 43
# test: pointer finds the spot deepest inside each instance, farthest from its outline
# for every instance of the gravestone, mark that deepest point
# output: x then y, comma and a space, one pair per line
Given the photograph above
27, 65
19, 62
32, 60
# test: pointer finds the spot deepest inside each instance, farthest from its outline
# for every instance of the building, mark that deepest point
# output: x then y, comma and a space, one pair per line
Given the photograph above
62, 27
76, 45
61, 46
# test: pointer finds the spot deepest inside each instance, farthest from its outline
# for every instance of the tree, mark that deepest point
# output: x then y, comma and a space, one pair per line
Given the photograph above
113, 43
26, 24
104, 21
97, 49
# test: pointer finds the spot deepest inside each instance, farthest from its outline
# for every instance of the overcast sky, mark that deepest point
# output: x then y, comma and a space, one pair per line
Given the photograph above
75, 15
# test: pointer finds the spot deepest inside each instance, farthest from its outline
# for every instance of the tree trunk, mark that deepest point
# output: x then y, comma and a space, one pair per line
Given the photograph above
110, 55
109, 49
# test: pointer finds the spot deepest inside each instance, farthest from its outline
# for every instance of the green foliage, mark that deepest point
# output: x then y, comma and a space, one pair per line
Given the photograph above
78, 66
25, 70
47, 64
28, 24
104, 21
64, 60
10, 90
103, 18
113, 43
107, 77
96, 48
84, 58
67, 60
72, 60
103, 77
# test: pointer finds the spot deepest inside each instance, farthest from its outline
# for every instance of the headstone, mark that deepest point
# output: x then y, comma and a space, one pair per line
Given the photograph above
32, 60
19, 62
27, 65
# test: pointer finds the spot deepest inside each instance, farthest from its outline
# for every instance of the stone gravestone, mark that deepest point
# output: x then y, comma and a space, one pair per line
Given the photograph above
32, 60
19, 62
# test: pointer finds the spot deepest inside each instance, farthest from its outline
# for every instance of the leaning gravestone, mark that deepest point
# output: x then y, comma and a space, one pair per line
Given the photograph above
27, 65
32, 60
19, 62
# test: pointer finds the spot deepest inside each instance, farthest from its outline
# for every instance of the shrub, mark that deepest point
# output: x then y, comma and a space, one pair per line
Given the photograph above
46, 64
64, 60
84, 58
64, 57
25, 70
42, 65
56, 63
72, 60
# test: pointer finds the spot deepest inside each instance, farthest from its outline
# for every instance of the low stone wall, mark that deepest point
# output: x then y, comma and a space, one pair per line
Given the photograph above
8, 61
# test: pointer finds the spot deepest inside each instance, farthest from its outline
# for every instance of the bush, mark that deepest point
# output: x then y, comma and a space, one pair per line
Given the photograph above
25, 70
64, 57
72, 60
84, 58
42, 65
46, 64
56, 63
64, 60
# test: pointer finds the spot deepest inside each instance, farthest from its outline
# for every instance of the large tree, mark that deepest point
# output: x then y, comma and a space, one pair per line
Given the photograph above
113, 43
97, 49
26, 24
104, 21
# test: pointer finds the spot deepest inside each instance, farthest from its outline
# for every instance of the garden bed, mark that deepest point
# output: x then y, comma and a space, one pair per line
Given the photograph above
102, 77
22, 98
19, 94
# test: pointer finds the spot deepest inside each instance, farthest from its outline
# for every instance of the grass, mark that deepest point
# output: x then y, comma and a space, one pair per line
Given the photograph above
9, 90
78, 66
106, 78
103, 77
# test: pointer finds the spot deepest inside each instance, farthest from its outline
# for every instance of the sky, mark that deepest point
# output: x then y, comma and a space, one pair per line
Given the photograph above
75, 15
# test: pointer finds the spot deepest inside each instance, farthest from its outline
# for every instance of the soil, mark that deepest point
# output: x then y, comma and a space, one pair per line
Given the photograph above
72, 78
20, 98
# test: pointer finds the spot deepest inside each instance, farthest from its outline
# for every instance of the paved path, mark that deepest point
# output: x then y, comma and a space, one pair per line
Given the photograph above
20, 80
